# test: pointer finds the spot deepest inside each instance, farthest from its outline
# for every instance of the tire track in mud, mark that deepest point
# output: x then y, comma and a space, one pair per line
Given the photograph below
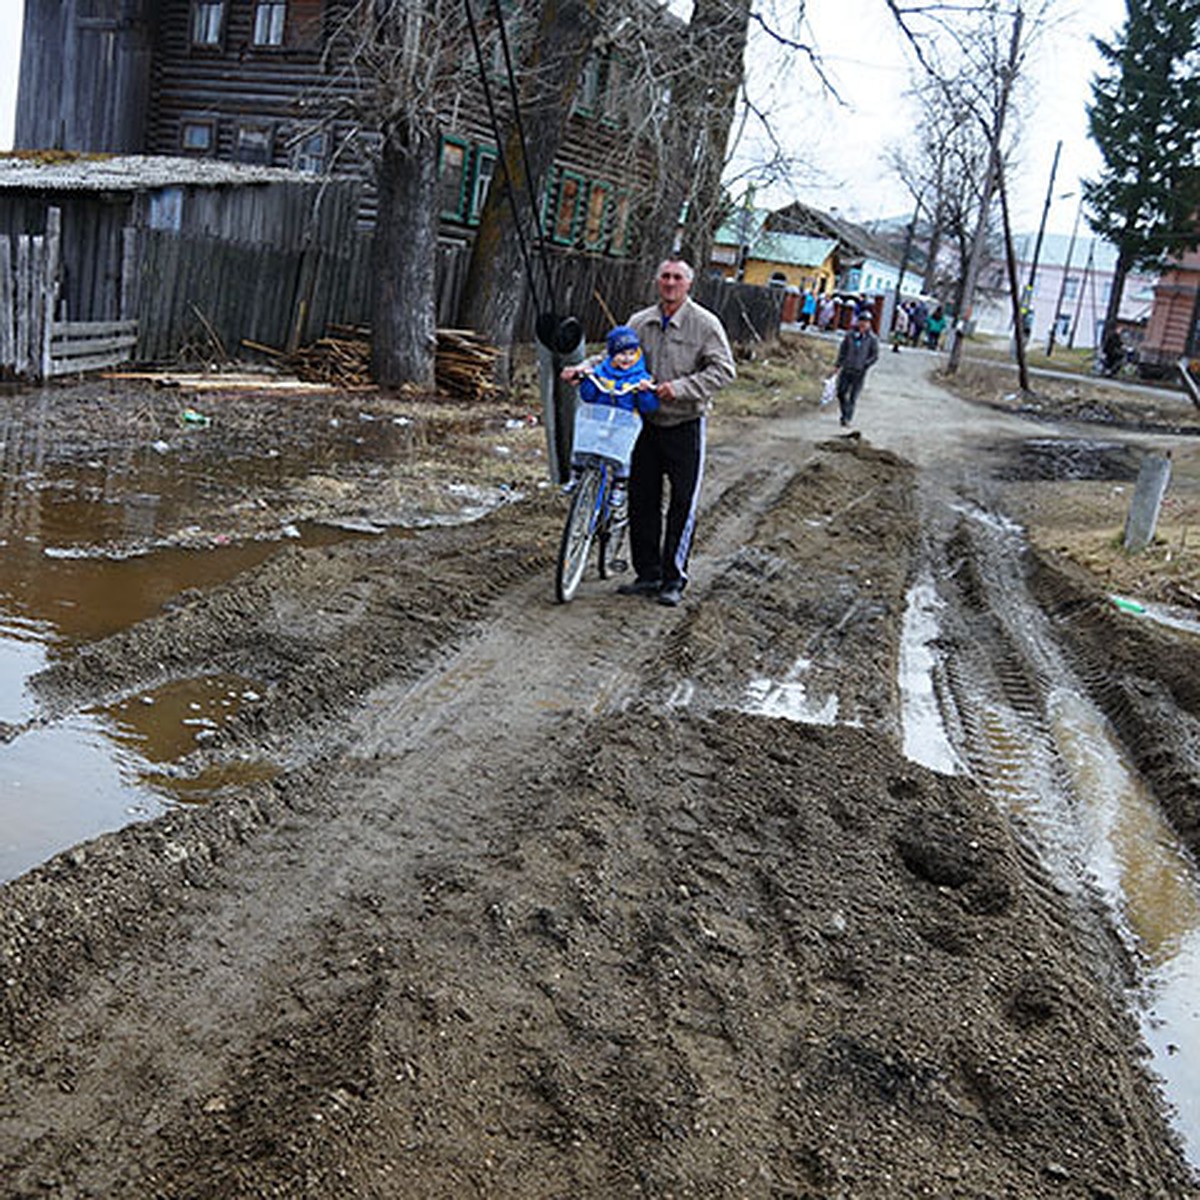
1000, 660
1145, 680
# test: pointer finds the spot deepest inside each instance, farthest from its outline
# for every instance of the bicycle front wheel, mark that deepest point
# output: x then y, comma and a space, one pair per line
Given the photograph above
577, 535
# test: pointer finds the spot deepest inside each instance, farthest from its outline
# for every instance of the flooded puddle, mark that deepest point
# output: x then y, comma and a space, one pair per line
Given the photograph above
1153, 885
788, 698
925, 738
81, 557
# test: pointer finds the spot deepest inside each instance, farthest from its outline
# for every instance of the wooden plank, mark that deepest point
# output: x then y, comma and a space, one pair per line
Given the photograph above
49, 285
78, 366
7, 306
93, 328
21, 357
92, 346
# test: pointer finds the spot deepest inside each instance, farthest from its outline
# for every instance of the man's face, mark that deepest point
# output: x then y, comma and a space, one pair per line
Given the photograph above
673, 284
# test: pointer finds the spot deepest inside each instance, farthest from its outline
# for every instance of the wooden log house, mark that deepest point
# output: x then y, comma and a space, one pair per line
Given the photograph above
251, 82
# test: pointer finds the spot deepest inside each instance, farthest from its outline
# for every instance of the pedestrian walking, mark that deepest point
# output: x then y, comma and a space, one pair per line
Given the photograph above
857, 354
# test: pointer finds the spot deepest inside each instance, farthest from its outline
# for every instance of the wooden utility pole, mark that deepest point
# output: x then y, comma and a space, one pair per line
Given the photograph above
1014, 290
994, 132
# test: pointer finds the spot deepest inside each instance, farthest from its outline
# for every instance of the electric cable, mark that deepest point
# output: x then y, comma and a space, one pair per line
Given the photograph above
496, 133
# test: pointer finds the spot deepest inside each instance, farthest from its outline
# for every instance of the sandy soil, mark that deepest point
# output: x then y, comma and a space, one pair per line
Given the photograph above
542, 902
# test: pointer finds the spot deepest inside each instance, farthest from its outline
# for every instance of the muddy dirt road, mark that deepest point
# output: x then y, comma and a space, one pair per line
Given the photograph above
611, 900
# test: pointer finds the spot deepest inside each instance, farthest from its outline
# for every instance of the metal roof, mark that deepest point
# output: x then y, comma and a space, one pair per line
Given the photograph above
131, 173
795, 249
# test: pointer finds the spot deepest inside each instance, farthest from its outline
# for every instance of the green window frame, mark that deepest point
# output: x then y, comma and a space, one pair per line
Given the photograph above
618, 243
614, 84
596, 215
568, 208
453, 159
483, 170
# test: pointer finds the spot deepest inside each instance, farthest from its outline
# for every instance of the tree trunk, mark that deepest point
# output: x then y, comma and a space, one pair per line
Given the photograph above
934, 249
497, 277
994, 167
703, 102
404, 331
1113, 311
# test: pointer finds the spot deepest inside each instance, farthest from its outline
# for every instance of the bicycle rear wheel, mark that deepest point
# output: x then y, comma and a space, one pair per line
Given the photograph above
577, 535
612, 541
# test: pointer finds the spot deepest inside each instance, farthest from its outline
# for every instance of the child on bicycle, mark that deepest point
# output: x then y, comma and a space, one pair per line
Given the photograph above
619, 378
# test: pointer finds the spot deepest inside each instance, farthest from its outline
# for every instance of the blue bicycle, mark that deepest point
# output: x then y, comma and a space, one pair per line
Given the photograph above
600, 449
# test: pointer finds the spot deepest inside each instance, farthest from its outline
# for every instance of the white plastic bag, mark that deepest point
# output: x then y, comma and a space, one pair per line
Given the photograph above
829, 391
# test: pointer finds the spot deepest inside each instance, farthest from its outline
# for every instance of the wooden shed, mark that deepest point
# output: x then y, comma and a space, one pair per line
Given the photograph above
136, 232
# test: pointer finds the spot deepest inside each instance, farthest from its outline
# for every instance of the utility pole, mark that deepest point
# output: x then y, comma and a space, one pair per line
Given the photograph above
1087, 274
1062, 290
975, 261
1018, 314
1027, 303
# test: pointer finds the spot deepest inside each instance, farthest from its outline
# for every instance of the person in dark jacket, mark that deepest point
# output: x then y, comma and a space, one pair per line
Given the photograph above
856, 355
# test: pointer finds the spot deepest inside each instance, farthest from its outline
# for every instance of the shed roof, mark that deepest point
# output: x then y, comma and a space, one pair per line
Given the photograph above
794, 249
132, 173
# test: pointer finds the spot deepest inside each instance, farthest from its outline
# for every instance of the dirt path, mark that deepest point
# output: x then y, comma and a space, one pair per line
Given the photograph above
543, 905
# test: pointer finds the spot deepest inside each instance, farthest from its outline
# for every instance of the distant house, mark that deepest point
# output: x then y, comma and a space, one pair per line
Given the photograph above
1072, 285
1173, 330
744, 247
804, 247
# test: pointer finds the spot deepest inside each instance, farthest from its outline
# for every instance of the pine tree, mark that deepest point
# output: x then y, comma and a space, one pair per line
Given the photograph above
1145, 119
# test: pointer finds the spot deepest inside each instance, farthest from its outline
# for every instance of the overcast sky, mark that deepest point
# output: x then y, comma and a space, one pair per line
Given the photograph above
844, 143
11, 14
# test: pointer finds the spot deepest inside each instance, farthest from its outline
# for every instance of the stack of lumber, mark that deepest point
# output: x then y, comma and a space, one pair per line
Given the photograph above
464, 363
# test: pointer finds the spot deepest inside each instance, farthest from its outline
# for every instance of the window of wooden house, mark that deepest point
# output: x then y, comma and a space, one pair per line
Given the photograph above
208, 23
595, 224
254, 144
614, 88
270, 17
197, 137
310, 152
619, 242
567, 208
166, 209
452, 178
588, 96
481, 181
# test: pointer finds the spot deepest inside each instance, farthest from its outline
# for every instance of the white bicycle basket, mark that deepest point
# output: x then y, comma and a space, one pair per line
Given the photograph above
606, 430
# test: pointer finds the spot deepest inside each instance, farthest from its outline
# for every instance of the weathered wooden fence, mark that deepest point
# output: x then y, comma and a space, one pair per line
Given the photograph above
33, 344
189, 296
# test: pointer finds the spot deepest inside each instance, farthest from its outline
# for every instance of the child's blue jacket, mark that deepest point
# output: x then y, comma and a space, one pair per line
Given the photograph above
605, 384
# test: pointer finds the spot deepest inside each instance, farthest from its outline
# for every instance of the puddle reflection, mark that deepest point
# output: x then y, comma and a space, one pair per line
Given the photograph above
1152, 885
67, 576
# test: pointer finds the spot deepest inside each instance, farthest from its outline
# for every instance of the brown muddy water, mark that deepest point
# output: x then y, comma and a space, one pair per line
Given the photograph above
92, 548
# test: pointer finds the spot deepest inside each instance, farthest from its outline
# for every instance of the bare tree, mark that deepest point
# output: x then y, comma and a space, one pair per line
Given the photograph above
552, 55
943, 170
396, 68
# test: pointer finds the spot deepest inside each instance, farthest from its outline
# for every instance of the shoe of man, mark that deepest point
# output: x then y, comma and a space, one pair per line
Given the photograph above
671, 595
639, 587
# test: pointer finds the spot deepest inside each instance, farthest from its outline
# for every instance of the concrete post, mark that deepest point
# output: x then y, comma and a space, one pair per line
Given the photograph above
1153, 476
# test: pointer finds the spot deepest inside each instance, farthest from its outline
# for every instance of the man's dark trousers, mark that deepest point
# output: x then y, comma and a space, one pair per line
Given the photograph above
849, 385
676, 453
